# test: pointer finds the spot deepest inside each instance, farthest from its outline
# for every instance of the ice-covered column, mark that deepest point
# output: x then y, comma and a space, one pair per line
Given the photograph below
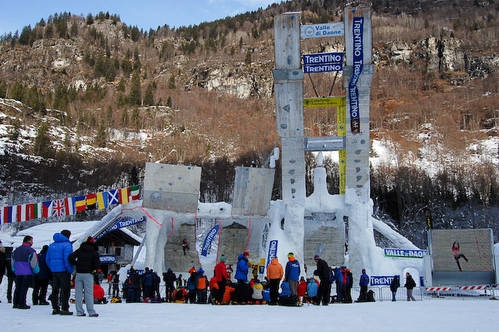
357, 81
288, 86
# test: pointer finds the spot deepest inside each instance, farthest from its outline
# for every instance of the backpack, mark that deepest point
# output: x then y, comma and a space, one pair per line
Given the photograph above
370, 296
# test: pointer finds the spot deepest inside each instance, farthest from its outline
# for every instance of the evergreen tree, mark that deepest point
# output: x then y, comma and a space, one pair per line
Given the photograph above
135, 96
43, 145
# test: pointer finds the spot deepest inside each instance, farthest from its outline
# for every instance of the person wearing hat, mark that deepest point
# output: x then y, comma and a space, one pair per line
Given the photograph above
322, 271
292, 273
86, 261
243, 290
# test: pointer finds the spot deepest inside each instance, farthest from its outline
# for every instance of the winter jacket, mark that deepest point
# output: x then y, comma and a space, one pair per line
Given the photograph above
274, 269
409, 283
25, 260
301, 289
285, 290
58, 253
169, 278
242, 268
322, 270
364, 280
98, 292
312, 288
221, 271
257, 291
395, 284
44, 273
292, 269
85, 258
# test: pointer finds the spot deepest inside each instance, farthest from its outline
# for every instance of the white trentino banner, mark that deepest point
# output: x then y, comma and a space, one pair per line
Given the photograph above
322, 30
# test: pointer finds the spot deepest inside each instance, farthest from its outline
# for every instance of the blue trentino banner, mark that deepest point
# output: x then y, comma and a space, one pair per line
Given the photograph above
208, 239
121, 222
358, 62
381, 280
272, 250
322, 62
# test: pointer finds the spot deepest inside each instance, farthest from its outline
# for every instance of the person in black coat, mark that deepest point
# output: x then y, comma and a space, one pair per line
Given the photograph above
41, 280
86, 261
169, 278
394, 285
323, 272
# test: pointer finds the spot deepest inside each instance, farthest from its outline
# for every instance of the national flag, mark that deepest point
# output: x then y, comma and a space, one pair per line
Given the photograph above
46, 209
30, 211
124, 193
69, 207
135, 192
38, 210
21, 212
58, 207
113, 197
79, 203
102, 202
91, 201
14, 213
7, 214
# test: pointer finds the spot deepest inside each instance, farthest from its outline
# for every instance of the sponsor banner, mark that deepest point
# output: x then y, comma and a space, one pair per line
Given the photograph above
208, 239
405, 253
322, 30
322, 62
381, 280
121, 222
358, 62
272, 250
107, 259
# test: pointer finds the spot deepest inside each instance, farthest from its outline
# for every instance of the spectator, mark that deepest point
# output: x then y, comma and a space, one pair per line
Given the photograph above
302, 289
86, 261
41, 280
394, 285
409, 285
322, 271
57, 261
312, 290
169, 278
292, 273
24, 265
363, 283
3, 259
202, 287
275, 273
221, 278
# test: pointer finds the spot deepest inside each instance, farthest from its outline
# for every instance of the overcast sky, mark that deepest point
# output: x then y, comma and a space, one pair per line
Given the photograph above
145, 14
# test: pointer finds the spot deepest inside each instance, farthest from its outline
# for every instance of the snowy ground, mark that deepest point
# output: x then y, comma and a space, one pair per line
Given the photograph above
428, 315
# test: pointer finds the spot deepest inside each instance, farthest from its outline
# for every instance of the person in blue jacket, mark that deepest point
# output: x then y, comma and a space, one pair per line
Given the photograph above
363, 283
58, 263
292, 273
24, 265
242, 268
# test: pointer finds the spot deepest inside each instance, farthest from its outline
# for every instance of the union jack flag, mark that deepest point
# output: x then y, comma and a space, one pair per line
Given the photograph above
58, 207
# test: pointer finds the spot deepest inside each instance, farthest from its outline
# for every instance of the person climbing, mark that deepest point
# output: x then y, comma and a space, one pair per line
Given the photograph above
185, 246
456, 251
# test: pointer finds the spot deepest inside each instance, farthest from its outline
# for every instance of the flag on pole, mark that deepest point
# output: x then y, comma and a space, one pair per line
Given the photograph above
46, 209
102, 202
58, 208
91, 201
69, 207
135, 192
124, 193
79, 203
113, 197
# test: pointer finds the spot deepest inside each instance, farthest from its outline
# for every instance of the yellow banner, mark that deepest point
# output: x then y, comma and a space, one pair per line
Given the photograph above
342, 154
323, 102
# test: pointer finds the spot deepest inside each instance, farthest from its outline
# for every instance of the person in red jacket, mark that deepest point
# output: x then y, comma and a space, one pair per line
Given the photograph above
221, 277
302, 289
99, 295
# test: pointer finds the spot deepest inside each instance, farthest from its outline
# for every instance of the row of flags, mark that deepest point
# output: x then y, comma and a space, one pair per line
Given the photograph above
69, 206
